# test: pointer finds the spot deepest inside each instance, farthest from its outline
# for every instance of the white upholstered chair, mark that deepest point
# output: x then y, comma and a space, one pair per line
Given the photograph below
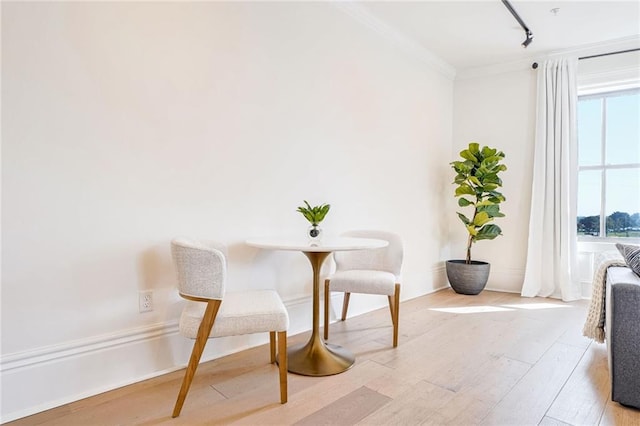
210, 312
375, 271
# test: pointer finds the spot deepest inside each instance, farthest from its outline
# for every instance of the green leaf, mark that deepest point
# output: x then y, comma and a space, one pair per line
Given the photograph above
488, 152
463, 202
490, 187
488, 232
481, 218
466, 154
493, 178
475, 180
464, 189
474, 148
492, 210
463, 218
497, 195
491, 159
472, 230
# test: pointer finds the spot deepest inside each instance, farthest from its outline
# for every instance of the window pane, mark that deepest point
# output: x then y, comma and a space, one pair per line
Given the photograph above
623, 203
623, 129
590, 132
589, 189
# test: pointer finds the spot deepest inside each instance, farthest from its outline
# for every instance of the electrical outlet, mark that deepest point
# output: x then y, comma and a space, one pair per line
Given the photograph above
145, 301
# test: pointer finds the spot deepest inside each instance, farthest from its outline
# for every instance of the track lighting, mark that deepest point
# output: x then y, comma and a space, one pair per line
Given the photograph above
528, 40
526, 29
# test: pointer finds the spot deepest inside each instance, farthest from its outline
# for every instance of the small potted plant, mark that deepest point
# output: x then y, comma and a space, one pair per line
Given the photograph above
314, 215
477, 184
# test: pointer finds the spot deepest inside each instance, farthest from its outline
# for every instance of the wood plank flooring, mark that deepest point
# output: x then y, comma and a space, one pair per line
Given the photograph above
491, 359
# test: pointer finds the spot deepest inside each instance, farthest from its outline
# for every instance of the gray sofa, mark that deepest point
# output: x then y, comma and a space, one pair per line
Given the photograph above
623, 334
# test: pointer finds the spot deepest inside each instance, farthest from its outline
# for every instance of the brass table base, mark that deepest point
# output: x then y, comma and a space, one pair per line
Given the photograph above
315, 358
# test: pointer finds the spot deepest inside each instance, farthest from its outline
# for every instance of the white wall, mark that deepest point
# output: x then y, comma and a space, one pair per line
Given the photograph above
126, 124
498, 110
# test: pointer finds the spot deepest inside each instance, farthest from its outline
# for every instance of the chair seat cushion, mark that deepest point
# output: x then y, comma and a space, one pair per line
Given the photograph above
361, 281
245, 312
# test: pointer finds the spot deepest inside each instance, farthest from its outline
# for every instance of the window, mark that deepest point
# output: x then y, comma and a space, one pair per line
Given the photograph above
609, 165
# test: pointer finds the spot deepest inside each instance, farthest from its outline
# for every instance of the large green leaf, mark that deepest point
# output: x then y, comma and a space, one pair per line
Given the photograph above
481, 218
474, 148
488, 232
492, 178
492, 210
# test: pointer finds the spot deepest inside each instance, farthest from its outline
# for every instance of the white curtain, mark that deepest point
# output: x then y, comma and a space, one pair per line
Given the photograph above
551, 269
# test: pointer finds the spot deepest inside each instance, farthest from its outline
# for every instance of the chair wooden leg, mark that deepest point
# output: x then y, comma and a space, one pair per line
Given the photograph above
345, 305
201, 340
396, 314
393, 317
282, 364
327, 297
272, 346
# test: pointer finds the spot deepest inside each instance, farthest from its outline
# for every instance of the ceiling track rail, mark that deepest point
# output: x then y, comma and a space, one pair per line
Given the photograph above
527, 31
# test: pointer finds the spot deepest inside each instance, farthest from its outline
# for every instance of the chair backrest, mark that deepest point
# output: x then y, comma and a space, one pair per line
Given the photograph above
388, 259
201, 268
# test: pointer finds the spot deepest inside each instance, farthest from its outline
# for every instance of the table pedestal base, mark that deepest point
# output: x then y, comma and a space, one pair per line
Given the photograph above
315, 358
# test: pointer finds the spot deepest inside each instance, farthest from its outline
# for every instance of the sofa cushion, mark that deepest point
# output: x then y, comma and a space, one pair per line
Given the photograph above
631, 256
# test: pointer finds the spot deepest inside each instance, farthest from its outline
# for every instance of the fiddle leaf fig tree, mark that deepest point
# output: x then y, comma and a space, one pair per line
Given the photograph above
477, 183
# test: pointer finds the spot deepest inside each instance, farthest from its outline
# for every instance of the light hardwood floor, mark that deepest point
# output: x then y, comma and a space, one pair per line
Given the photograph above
491, 359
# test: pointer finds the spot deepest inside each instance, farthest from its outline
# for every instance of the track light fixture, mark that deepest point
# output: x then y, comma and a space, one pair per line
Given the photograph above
526, 29
528, 40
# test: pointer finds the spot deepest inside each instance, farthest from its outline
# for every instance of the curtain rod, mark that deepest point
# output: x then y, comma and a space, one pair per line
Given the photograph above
610, 53
535, 64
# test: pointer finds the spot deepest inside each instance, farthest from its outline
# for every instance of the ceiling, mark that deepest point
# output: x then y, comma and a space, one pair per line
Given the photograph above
470, 34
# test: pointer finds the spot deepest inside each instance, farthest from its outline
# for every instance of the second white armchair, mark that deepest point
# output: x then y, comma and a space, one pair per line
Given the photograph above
375, 271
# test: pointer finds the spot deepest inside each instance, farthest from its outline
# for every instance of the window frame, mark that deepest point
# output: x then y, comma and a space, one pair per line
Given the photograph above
603, 167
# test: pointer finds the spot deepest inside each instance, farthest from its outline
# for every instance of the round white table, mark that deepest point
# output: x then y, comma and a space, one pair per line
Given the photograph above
317, 358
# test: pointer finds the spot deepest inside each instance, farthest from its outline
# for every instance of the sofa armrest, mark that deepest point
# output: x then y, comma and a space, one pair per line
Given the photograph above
624, 337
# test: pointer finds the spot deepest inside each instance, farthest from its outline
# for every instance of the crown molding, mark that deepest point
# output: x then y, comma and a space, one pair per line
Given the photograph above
406, 44
495, 69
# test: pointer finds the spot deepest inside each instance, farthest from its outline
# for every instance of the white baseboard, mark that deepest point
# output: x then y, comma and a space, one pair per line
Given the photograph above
48, 377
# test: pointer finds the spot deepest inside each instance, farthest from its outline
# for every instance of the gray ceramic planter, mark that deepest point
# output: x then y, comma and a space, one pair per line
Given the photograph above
467, 279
